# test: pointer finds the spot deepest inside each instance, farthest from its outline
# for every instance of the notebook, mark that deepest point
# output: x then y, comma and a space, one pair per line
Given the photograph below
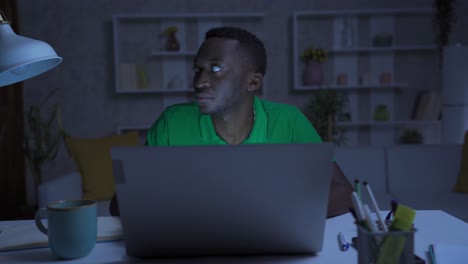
223, 199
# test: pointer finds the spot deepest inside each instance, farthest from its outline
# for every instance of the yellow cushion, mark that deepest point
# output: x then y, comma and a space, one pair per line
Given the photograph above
94, 162
462, 181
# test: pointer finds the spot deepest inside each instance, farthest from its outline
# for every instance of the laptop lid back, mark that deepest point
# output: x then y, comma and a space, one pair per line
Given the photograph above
223, 200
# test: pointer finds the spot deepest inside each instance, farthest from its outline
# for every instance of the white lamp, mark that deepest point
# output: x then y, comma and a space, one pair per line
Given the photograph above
22, 58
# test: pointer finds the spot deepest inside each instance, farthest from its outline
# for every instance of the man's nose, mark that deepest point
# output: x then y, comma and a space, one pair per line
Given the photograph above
201, 81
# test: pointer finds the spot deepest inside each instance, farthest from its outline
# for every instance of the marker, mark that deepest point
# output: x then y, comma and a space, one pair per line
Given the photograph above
432, 254
358, 210
387, 219
357, 188
343, 244
358, 206
370, 222
394, 206
375, 207
389, 215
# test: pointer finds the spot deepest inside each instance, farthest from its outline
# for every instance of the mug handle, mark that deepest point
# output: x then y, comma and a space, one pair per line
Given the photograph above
38, 219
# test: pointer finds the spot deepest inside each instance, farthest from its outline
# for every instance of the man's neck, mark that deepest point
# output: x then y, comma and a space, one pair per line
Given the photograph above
234, 127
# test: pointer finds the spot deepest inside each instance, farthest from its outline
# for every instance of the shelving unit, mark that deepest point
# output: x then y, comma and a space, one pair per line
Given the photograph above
348, 36
385, 49
143, 65
353, 87
388, 123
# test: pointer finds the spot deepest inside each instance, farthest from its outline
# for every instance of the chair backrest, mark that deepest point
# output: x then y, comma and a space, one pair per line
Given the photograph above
423, 168
365, 164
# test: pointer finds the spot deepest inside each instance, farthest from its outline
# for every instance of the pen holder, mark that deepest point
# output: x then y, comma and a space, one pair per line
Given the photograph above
385, 247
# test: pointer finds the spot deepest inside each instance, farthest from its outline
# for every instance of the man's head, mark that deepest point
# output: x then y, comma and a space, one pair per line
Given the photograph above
228, 69
248, 43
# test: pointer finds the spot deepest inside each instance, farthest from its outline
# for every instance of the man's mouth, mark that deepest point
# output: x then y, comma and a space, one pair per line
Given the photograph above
202, 98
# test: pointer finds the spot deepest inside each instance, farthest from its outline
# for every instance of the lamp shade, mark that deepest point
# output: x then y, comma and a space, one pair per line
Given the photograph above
22, 58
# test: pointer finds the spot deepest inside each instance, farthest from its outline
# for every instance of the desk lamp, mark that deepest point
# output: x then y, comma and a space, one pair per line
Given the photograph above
22, 58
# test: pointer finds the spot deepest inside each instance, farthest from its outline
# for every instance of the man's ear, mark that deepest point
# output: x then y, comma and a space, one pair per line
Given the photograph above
255, 81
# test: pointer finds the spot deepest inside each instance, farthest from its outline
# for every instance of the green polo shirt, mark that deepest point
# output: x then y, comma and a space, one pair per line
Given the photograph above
274, 123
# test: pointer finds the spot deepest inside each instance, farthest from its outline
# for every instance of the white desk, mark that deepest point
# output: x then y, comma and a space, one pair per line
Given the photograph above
433, 226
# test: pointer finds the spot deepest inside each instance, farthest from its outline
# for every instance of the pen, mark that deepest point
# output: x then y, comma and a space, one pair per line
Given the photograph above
375, 207
357, 188
343, 244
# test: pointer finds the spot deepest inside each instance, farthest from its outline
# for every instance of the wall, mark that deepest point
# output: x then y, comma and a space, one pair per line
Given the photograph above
81, 32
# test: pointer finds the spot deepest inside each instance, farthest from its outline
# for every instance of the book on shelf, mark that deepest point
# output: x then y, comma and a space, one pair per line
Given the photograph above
427, 106
132, 76
127, 76
142, 80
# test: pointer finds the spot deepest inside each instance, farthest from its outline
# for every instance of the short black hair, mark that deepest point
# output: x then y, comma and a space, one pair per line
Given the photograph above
250, 43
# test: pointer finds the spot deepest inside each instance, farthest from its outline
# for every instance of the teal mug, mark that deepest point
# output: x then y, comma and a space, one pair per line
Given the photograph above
71, 227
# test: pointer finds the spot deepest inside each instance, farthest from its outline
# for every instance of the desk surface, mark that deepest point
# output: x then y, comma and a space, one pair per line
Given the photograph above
432, 226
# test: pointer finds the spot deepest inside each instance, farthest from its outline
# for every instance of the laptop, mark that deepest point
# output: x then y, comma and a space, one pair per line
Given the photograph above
223, 200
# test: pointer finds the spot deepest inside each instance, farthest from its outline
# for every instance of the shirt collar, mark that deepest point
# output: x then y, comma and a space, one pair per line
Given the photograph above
257, 135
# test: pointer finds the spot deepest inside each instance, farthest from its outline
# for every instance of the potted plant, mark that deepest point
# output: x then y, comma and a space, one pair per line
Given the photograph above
442, 23
381, 113
323, 106
172, 43
41, 137
411, 136
313, 70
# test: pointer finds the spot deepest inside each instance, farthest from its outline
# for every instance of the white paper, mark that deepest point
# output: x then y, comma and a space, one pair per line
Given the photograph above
450, 253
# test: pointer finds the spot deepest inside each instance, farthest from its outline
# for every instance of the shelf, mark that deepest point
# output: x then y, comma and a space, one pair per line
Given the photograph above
368, 12
173, 53
188, 16
389, 123
385, 49
154, 91
352, 87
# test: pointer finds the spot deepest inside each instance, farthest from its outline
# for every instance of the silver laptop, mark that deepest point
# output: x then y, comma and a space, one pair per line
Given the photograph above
223, 200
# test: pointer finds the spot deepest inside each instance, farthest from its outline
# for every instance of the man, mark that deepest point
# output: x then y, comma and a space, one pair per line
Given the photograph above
228, 70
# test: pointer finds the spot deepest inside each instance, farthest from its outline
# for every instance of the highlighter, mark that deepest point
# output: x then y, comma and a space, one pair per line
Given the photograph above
393, 245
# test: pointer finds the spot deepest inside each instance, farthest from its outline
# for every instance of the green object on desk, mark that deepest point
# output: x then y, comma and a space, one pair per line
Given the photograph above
393, 245
431, 254
357, 188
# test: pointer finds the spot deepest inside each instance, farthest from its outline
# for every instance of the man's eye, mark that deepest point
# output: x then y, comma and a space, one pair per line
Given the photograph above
196, 69
215, 68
